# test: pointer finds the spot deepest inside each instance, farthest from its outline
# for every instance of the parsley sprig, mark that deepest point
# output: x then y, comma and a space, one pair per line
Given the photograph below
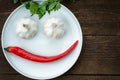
41, 8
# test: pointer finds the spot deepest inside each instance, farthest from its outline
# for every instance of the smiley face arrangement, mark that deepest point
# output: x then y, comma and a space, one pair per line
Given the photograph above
28, 28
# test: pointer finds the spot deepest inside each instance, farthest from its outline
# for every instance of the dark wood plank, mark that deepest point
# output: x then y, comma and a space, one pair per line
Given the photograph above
87, 77
3, 18
93, 4
5, 67
98, 15
13, 77
100, 29
79, 4
7, 5
89, 27
100, 55
63, 77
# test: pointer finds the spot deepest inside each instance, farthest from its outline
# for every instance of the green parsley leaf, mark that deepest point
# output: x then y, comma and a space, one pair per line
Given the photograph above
58, 6
43, 7
33, 7
27, 5
39, 13
51, 6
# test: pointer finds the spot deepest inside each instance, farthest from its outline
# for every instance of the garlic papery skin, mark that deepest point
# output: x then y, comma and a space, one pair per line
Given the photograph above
54, 27
27, 28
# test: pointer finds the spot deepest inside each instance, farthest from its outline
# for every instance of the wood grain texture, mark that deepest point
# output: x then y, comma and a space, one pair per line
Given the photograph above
100, 56
64, 77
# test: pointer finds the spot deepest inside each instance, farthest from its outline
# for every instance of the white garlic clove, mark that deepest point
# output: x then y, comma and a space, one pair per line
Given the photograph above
54, 28
27, 28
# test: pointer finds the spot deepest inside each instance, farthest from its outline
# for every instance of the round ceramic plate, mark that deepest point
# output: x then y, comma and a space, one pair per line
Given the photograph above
42, 44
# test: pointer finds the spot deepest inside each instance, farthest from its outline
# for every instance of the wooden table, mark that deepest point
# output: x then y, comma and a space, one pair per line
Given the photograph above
100, 56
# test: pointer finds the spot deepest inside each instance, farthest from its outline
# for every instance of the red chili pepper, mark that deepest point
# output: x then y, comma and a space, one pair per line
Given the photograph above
27, 55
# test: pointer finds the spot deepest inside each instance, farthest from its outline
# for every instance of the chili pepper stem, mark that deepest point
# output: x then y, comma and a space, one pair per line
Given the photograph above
6, 49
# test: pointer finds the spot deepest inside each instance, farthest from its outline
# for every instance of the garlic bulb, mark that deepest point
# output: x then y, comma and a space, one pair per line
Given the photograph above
27, 28
54, 28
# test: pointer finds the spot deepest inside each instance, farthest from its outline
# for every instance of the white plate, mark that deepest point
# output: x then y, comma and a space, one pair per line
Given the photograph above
42, 45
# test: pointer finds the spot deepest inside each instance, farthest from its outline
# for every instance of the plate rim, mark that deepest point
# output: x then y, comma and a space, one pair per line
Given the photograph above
32, 77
